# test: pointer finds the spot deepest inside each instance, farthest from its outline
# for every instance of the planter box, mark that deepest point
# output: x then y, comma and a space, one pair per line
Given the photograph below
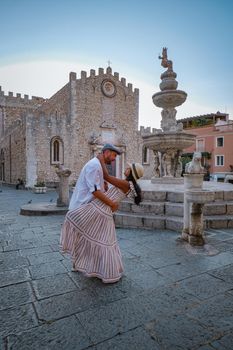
39, 189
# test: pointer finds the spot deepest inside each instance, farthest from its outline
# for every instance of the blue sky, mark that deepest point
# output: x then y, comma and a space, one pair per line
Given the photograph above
42, 41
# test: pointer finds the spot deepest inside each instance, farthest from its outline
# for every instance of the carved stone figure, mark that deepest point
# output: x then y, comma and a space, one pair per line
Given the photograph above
167, 162
157, 164
179, 167
195, 167
165, 62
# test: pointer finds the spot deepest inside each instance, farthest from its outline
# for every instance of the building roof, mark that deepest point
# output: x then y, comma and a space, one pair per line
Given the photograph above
205, 116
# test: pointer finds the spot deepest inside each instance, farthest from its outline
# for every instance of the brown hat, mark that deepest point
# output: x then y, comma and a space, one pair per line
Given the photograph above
137, 170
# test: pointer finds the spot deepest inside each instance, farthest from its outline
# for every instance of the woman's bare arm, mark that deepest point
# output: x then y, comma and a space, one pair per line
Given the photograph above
120, 183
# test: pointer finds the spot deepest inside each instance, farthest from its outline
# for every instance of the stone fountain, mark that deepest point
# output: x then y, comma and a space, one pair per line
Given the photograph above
168, 142
61, 207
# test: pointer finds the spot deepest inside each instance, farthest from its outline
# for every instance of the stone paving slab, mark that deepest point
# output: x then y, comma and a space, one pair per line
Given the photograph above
53, 285
215, 313
136, 339
16, 320
121, 316
172, 296
43, 270
14, 276
180, 332
62, 334
15, 294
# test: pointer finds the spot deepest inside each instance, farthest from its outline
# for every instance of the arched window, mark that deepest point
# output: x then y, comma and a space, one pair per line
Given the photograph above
145, 155
56, 151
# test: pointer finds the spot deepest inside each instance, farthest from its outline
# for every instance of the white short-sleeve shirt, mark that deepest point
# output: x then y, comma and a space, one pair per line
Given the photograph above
90, 179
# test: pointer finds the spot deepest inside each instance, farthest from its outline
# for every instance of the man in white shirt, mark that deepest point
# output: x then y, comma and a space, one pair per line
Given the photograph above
90, 183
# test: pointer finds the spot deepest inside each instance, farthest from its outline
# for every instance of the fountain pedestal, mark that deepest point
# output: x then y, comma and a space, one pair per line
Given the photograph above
63, 187
194, 200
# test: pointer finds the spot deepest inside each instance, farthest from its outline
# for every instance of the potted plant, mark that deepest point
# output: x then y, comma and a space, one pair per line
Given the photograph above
40, 187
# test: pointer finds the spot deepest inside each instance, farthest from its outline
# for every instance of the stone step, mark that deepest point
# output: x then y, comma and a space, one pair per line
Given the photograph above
155, 196
162, 207
163, 196
219, 221
136, 220
175, 223
174, 208
156, 208
178, 196
214, 208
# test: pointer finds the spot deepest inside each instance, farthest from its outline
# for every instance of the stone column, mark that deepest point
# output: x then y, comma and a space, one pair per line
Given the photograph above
196, 224
185, 231
193, 218
194, 199
63, 187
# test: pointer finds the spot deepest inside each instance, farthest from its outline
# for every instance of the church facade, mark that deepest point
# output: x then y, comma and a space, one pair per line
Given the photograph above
69, 128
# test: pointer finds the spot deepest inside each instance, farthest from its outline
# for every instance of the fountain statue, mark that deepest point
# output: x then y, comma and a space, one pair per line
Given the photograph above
169, 142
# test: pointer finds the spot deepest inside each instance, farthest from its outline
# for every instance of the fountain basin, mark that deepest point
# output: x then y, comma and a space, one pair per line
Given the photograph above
164, 141
193, 181
169, 98
42, 209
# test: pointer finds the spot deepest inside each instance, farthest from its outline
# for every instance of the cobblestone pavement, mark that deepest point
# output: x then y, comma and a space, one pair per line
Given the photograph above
172, 296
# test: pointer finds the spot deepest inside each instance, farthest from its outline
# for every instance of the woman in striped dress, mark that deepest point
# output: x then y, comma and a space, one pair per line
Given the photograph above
89, 235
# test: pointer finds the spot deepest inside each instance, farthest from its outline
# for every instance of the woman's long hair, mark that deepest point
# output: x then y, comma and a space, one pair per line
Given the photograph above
138, 197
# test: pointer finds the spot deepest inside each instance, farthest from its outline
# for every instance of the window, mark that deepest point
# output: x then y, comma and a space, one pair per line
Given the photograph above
220, 141
200, 145
56, 151
145, 155
219, 160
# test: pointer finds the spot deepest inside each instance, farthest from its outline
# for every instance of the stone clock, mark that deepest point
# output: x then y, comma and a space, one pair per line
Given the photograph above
108, 88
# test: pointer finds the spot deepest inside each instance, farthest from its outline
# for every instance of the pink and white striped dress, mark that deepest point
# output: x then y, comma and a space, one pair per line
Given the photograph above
89, 236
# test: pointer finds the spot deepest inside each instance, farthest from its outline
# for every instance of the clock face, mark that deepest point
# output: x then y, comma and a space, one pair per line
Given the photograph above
108, 88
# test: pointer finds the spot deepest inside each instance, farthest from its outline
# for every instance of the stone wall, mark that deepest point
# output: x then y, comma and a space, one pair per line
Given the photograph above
14, 107
14, 150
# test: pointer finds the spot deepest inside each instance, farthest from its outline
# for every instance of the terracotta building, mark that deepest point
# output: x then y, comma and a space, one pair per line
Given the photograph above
214, 138
68, 128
